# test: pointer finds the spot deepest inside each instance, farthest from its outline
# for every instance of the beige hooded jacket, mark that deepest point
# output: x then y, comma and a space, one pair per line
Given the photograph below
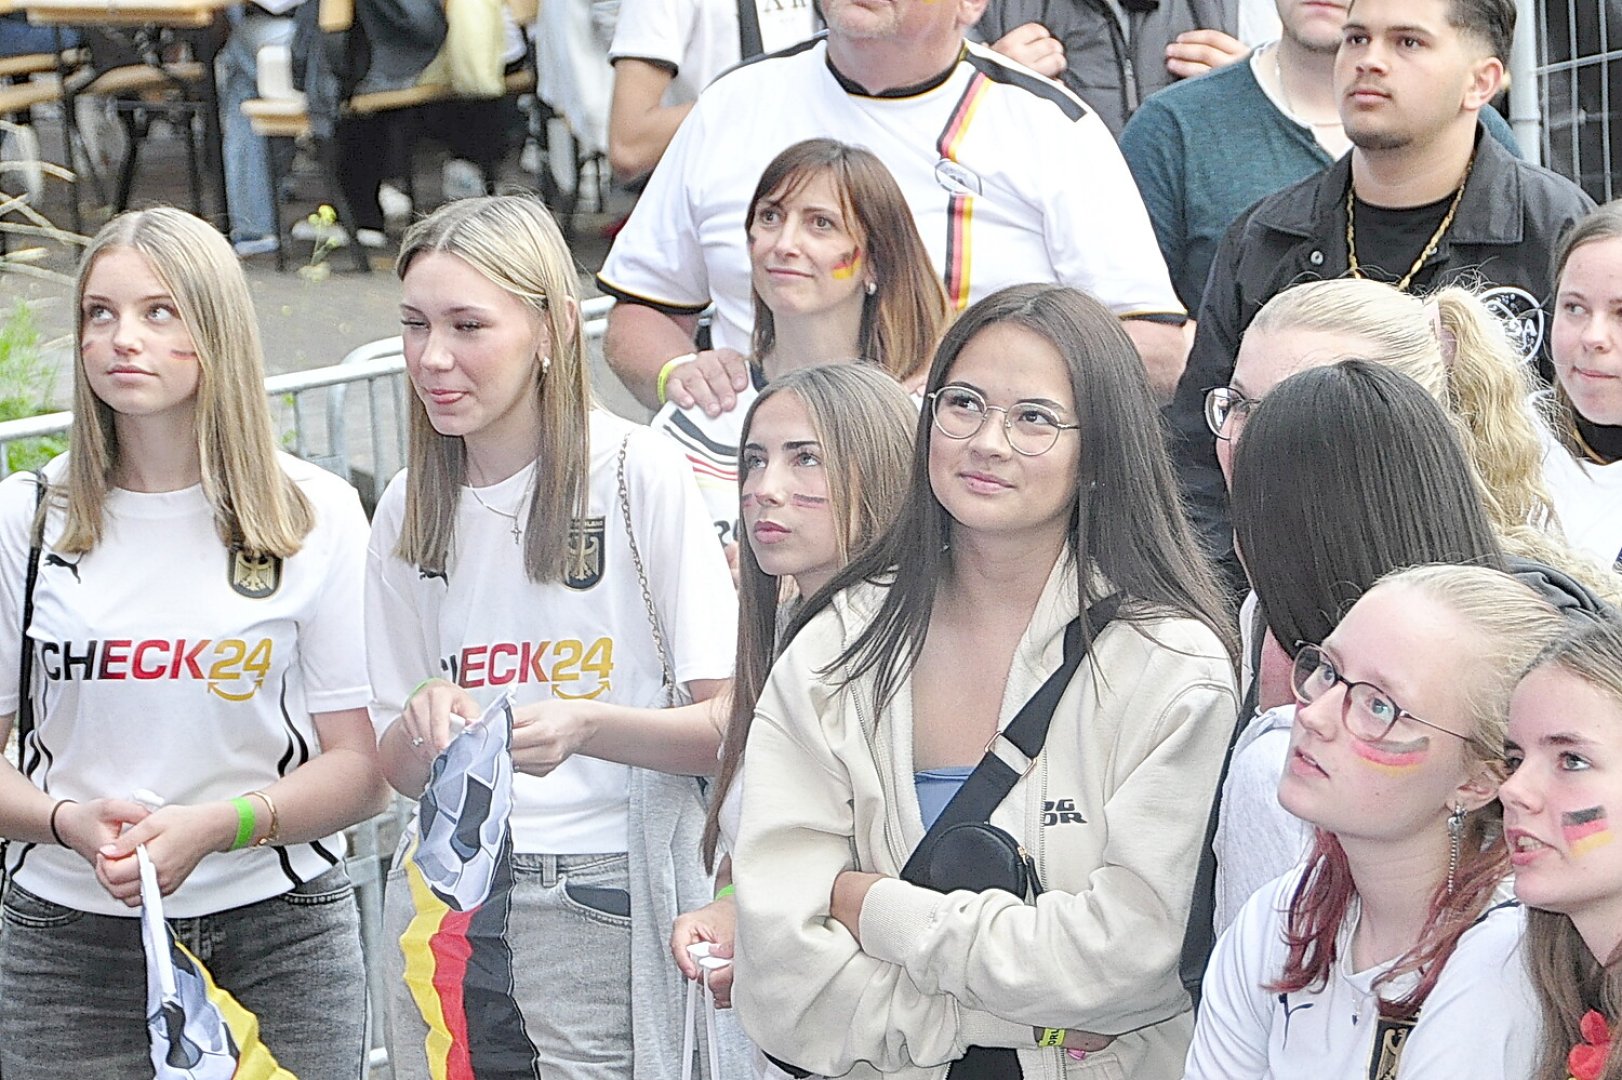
1113, 812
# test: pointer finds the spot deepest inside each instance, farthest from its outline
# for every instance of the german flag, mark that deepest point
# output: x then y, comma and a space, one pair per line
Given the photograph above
458, 964
197, 1030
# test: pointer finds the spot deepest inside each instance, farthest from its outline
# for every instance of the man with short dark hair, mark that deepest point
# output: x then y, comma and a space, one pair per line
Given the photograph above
1279, 120
1009, 176
1423, 200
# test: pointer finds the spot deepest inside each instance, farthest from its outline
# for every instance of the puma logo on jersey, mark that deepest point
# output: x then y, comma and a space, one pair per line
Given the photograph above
1061, 812
1289, 1012
53, 559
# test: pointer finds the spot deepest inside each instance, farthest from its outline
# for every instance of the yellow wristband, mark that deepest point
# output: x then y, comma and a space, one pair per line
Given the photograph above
664, 373
1051, 1037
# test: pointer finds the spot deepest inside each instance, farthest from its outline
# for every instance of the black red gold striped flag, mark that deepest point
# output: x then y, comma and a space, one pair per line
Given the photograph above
197, 1030
458, 962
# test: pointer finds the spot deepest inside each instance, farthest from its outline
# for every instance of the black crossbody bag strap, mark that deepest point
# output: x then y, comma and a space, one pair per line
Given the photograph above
25, 654
985, 789
989, 784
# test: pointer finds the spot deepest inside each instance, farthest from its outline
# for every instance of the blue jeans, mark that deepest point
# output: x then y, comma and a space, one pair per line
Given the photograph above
571, 967
19, 37
73, 984
248, 194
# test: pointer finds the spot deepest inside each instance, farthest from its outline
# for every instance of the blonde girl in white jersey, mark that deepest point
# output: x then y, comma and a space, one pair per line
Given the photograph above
195, 635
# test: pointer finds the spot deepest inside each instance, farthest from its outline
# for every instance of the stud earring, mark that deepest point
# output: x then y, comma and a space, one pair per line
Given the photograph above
546, 364
872, 287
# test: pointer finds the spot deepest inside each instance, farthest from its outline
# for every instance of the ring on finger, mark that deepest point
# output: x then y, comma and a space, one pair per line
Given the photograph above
417, 740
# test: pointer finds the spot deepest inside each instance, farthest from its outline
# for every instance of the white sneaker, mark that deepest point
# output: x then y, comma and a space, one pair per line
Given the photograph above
396, 204
372, 238
461, 179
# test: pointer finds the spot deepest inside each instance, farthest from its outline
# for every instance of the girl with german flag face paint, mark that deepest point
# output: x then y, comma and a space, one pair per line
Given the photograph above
1564, 754
196, 691
1389, 945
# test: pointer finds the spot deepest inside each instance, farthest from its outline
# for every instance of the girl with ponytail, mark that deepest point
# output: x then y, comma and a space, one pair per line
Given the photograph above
1453, 346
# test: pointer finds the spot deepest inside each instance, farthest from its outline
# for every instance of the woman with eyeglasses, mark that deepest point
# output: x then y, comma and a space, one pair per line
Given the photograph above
1346, 473
1041, 492
1389, 952
1454, 347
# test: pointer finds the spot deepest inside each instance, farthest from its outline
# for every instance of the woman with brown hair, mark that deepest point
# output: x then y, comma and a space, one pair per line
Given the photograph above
1040, 556
822, 474
839, 274
1564, 754
1583, 464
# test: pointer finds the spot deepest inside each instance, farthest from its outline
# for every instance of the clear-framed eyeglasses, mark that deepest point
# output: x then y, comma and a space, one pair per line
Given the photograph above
1226, 411
1032, 428
1367, 712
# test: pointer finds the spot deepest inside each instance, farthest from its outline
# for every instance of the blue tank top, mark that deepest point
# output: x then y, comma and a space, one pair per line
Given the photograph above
936, 787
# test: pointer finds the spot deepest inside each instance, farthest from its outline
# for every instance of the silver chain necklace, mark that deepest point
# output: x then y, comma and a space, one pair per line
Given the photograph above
518, 532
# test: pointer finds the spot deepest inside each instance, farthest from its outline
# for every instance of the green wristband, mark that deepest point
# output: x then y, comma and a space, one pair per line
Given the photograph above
246, 820
1051, 1037
725, 891
419, 686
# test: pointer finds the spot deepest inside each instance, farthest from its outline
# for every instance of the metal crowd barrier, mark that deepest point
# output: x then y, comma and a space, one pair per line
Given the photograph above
364, 442
363, 439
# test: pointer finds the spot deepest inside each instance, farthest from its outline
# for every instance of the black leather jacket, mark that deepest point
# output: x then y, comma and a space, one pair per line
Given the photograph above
1509, 221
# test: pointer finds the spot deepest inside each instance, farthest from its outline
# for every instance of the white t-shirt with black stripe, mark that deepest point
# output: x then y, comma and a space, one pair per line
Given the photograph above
163, 662
1479, 1022
1010, 177
710, 445
485, 625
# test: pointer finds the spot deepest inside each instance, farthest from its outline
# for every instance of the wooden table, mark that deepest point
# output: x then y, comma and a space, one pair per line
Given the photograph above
151, 17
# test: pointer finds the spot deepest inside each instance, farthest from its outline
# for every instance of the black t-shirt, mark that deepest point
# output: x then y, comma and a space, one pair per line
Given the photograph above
1389, 240
1604, 439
